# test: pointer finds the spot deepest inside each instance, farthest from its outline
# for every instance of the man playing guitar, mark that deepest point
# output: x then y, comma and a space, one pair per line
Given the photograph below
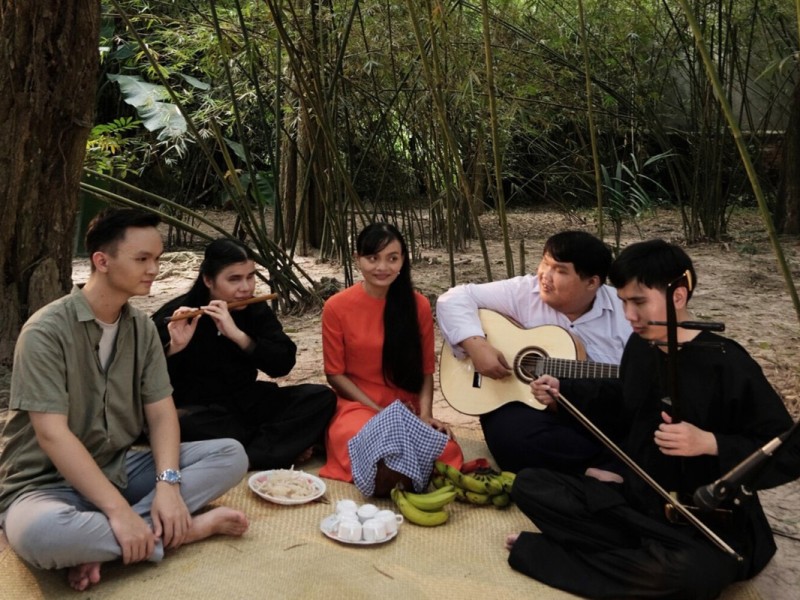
568, 290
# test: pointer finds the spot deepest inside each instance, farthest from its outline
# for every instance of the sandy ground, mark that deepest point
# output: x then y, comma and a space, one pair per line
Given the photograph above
739, 284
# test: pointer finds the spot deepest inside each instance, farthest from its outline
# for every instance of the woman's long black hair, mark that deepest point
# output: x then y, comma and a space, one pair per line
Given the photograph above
402, 346
218, 255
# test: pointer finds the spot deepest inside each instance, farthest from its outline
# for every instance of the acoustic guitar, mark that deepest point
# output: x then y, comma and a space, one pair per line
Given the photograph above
547, 349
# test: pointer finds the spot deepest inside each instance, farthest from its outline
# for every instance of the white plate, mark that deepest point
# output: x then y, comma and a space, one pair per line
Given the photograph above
262, 476
327, 527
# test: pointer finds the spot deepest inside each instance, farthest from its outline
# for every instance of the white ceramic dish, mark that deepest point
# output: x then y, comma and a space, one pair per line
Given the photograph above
262, 476
328, 527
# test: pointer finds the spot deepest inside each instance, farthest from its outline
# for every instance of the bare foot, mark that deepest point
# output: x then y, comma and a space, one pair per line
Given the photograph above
511, 539
84, 576
603, 475
217, 521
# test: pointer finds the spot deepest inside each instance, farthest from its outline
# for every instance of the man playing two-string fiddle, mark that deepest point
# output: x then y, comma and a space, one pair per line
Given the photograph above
610, 540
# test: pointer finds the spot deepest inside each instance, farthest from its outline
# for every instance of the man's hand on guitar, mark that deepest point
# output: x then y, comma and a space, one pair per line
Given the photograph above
487, 360
545, 390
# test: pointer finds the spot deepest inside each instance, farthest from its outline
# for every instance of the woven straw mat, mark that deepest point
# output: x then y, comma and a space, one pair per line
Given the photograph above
285, 555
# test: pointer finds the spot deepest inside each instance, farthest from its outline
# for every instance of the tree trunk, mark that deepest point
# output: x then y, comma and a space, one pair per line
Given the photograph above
50, 58
787, 210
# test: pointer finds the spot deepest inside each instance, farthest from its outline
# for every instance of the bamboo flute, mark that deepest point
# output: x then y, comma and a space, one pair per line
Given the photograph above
237, 304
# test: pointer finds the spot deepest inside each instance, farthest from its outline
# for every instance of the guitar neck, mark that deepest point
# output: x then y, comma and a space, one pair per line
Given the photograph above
576, 369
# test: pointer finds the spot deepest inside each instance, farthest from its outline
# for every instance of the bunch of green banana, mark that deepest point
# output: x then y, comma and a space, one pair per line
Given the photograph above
424, 509
507, 477
439, 481
481, 487
501, 500
432, 501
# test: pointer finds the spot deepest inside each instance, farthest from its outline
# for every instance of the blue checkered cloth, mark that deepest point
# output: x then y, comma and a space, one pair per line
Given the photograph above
404, 443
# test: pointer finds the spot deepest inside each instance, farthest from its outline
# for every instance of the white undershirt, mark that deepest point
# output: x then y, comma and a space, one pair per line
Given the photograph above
106, 345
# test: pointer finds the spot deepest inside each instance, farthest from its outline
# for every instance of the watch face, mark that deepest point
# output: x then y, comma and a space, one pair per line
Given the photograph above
170, 476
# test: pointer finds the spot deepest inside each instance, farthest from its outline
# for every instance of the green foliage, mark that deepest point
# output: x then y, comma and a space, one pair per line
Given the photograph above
155, 115
629, 193
263, 191
335, 95
110, 146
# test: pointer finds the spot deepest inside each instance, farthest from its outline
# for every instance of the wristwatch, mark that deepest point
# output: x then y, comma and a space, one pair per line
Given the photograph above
171, 476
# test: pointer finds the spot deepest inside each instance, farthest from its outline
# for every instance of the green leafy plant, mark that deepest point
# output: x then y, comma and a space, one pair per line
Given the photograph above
147, 98
107, 149
630, 193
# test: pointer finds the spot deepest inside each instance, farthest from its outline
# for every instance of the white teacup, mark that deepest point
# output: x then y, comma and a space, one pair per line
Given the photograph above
373, 530
349, 530
347, 514
390, 519
367, 511
346, 506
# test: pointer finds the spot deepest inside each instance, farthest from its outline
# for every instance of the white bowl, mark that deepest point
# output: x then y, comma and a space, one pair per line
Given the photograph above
256, 479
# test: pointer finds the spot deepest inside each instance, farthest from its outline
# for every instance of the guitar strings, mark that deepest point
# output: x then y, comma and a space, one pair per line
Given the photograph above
560, 367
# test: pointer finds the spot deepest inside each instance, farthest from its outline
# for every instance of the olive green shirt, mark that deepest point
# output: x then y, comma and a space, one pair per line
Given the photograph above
57, 370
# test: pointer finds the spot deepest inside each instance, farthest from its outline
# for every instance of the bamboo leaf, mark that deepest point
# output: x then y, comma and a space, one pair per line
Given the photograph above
194, 82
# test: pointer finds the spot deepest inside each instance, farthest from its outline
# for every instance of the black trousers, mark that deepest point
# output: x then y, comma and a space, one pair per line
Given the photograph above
519, 437
274, 424
594, 544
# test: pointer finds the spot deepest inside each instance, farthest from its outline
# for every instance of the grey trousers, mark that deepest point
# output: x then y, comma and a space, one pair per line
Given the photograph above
55, 528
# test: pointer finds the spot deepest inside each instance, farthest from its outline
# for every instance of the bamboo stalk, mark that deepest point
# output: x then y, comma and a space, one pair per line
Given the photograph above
744, 155
500, 199
598, 187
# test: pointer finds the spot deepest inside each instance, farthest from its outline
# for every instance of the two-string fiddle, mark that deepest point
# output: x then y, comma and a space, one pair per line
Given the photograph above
685, 280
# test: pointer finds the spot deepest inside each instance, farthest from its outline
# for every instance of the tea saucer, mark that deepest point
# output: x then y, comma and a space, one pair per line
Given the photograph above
328, 528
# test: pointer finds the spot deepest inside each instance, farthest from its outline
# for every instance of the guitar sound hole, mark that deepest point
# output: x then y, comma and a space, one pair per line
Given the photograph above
527, 362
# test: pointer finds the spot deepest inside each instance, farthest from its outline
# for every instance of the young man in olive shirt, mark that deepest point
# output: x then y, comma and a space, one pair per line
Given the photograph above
88, 374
